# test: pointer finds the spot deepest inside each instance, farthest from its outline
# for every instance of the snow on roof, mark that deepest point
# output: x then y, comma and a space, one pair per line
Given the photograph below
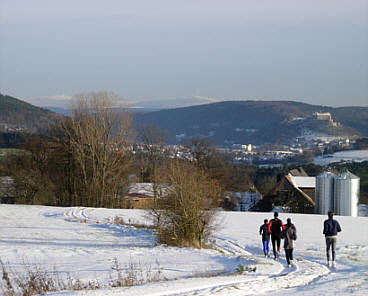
303, 182
141, 188
146, 189
299, 172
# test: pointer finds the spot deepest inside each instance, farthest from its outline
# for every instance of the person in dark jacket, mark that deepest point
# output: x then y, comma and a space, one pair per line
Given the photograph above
330, 229
289, 236
275, 227
263, 230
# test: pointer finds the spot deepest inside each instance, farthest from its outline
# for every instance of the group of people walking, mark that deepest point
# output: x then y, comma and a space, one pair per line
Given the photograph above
277, 230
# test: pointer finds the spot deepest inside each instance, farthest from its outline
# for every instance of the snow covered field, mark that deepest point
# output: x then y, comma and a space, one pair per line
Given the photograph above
84, 242
348, 155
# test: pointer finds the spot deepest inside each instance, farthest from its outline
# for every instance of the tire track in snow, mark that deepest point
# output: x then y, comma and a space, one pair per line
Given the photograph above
302, 274
81, 214
252, 284
305, 273
229, 247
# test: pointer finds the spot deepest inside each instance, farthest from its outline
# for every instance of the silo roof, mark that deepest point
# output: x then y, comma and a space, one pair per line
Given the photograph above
326, 175
347, 175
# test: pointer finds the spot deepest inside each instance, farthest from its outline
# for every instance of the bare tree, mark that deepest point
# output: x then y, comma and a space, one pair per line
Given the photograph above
185, 216
153, 139
205, 156
97, 138
201, 151
30, 178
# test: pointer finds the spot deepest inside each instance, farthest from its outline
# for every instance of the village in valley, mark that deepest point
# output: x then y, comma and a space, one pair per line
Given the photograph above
295, 190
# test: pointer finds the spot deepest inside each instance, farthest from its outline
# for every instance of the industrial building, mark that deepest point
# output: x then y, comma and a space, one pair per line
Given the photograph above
297, 192
337, 193
324, 192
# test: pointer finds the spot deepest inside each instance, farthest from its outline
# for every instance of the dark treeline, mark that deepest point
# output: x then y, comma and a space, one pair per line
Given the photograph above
12, 139
87, 160
48, 172
84, 160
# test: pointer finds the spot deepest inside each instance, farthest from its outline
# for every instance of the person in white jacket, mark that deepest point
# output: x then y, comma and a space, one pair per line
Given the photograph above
289, 236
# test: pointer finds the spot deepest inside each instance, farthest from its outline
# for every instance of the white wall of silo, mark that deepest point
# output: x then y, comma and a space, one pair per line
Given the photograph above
337, 195
346, 194
324, 192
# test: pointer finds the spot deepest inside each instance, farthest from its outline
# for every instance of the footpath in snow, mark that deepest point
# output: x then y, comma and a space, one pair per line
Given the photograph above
85, 242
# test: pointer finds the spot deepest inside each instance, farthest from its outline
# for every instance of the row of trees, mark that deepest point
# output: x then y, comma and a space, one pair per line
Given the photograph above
86, 160
95, 142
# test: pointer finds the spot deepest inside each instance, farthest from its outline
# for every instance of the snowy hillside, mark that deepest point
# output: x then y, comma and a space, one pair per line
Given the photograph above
84, 243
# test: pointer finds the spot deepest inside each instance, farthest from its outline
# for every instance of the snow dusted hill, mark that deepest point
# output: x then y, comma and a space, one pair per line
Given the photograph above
83, 242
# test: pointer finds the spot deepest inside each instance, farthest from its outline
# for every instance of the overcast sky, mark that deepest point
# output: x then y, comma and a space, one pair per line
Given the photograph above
307, 50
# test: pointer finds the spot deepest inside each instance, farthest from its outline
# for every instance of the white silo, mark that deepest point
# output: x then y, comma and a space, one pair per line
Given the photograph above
325, 192
346, 194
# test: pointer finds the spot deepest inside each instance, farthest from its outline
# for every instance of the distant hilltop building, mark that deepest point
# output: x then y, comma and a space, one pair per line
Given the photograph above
325, 116
322, 116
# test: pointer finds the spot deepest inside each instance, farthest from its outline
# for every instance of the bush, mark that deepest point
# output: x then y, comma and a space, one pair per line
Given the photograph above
133, 274
34, 280
184, 216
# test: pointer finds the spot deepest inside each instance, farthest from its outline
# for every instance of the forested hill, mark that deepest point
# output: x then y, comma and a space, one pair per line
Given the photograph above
241, 122
16, 114
255, 121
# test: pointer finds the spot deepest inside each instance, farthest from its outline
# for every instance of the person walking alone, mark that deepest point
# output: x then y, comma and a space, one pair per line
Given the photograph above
330, 229
263, 230
289, 236
275, 227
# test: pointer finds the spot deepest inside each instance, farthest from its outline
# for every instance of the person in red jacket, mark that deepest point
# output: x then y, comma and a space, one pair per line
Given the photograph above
275, 227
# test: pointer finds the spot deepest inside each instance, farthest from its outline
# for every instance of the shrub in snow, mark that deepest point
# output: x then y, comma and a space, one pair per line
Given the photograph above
185, 216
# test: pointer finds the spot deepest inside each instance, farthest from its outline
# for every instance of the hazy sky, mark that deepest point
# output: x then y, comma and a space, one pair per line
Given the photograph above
308, 50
